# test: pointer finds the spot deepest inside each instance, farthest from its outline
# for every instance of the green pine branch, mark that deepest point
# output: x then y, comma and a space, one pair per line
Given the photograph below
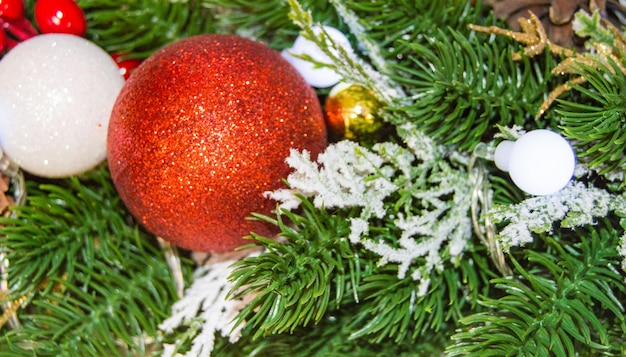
330, 337
597, 124
565, 299
392, 311
462, 87
394, 24
94, 283
296, 282
138, 28
316, 274
268, 20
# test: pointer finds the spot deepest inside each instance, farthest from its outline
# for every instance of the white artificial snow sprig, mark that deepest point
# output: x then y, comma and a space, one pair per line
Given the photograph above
575, 205
339, 182
432, 217
205, 307
443, 224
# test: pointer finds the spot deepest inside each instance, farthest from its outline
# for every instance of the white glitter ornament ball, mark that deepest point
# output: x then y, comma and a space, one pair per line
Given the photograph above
540, 162
56, 96
320, 77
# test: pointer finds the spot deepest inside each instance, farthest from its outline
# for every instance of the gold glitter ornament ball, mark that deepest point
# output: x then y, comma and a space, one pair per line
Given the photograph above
201, 130
352, 113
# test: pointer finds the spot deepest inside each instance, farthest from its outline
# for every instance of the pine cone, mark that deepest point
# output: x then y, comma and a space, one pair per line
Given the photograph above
557, 15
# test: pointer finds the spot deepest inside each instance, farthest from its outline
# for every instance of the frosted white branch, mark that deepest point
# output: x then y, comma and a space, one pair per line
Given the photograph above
339, 180
421, 144
205, 307
510, 133
433, 217
445, 223
358, 228
575, 205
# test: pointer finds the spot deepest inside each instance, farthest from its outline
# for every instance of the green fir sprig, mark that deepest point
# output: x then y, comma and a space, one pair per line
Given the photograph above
267, 21
295, 282
92, 281
136, 29
393, 24
315, 276
460, 99
330, 337
564, 299
596, 124
391, 309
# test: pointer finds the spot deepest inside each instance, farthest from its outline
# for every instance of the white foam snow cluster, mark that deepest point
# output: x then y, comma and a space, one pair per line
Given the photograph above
340, 182
575, 205
206, 311
433, 215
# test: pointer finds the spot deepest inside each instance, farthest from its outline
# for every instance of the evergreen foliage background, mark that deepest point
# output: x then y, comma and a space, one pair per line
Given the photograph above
92, 282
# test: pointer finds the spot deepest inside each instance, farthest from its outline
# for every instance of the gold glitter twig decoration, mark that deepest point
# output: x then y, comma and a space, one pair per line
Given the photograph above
534, 36
10, 311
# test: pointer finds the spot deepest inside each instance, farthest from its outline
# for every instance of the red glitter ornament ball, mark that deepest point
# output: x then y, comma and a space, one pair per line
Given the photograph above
201, 130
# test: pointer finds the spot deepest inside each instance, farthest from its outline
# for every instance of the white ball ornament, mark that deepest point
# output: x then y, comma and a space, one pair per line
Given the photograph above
56, 96
502, 154
540, 162
320, 77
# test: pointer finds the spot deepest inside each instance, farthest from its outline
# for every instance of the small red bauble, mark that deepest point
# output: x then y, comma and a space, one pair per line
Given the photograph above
3, 41
60, 16
127, 66
11, 9
201, 130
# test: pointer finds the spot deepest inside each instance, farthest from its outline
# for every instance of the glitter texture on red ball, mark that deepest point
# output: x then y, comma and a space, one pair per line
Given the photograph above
201, 130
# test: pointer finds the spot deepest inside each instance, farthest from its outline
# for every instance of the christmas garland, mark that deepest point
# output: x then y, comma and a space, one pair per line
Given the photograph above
426, 226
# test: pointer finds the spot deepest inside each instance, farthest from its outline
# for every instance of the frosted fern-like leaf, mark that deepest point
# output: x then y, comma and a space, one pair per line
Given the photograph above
575, 205
206, 310
590, 26
421, 145
338, 181
415, 190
